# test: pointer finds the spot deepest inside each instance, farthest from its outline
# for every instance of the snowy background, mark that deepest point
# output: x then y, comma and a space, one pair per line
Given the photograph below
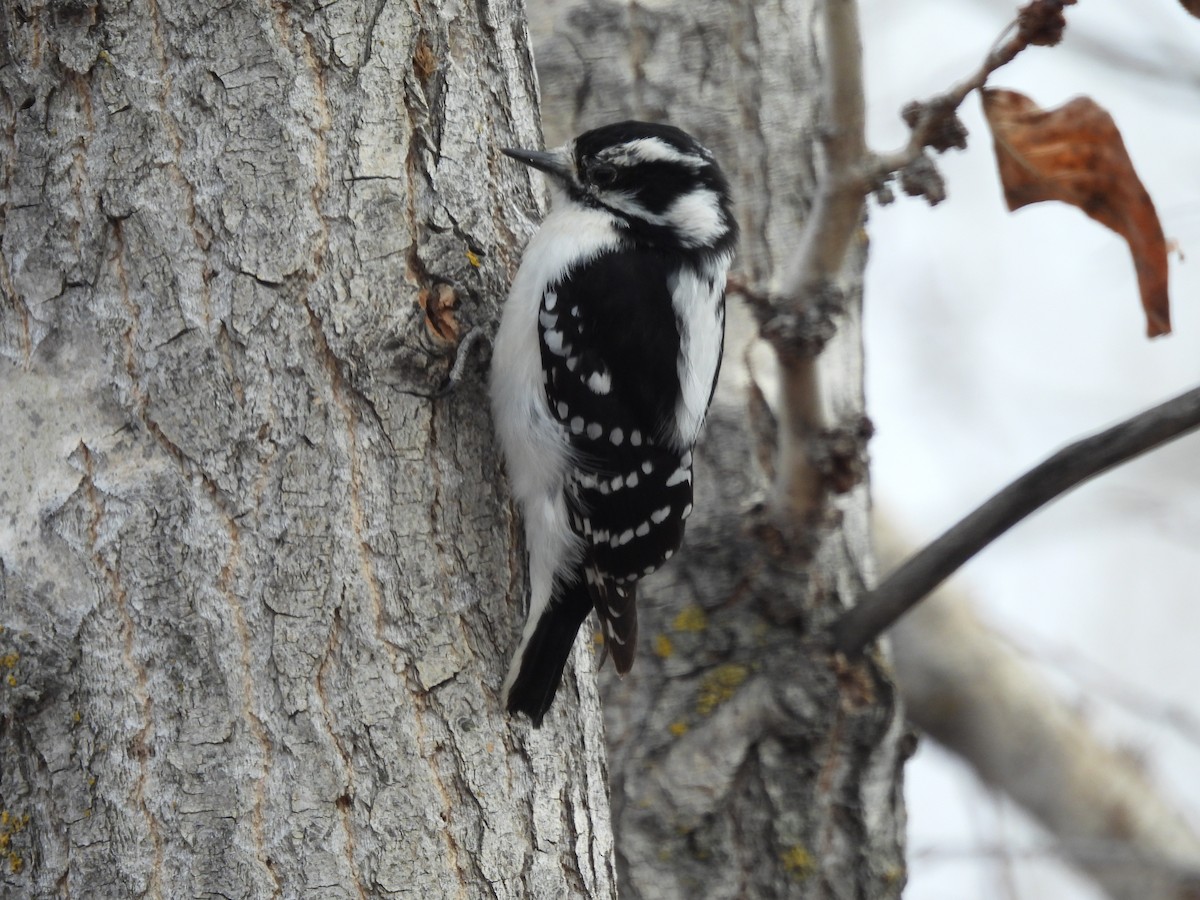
995, 338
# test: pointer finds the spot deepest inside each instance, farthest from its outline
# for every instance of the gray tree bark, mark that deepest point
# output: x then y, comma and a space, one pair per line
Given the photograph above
746, 761
257, 587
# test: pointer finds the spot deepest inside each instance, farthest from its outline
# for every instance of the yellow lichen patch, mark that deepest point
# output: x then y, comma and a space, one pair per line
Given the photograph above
798, 862
10, 660
690, 619
678, 728
12, 680
719, 685
473, 258
11, 824
662, 647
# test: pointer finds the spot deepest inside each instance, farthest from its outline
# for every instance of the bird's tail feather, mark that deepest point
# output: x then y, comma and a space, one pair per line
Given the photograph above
538, 664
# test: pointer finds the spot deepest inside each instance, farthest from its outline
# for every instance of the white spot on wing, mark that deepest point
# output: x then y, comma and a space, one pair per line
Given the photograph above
617, 437
660, 515
594, 430
679, 476
600, 382
554, 342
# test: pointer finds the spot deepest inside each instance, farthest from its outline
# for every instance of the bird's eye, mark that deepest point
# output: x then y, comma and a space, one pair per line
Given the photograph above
603, 175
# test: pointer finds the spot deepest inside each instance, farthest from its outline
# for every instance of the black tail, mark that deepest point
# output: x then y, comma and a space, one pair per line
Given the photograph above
542, 659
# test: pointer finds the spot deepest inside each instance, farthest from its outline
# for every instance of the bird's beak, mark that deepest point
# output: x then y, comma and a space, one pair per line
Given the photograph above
552, 162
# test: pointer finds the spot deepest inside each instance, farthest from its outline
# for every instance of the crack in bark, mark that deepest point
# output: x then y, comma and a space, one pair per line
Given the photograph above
225, 583
175, 165
343, 806
138, 748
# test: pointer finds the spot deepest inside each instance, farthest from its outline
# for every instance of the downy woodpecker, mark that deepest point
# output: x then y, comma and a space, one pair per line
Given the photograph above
603, 369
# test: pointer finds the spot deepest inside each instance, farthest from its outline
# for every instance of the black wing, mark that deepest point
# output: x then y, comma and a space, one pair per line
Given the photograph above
610, 347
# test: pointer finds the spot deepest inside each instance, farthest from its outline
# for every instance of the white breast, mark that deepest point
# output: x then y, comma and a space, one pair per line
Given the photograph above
534, 448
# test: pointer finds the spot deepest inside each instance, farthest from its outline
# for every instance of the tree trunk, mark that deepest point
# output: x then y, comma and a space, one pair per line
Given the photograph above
257, 586
746, 760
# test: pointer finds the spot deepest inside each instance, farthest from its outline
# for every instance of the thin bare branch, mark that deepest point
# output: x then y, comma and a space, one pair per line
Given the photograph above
1067, 468
935, 124
797, 318
803, 290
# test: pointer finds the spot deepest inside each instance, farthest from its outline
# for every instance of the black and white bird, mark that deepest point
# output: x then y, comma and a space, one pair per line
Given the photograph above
602, 373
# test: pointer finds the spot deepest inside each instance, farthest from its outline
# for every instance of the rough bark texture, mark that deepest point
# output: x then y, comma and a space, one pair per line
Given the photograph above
746, 762
257, 589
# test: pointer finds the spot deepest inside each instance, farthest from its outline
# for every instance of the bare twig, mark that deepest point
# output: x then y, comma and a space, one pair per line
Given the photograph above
797, 319
833, 223
1069, 467
935, 124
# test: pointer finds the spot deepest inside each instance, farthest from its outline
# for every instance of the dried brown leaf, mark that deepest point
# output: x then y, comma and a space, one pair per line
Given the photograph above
1075, 154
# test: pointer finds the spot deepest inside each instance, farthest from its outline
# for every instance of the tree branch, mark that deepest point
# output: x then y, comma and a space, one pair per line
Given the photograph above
796, 318
1069, 467
803, 290
968, 688
935, 124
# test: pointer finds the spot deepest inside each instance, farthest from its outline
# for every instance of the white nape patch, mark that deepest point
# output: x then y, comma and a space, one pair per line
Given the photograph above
697, 302
600, 382
594, 430
697, 218
660, 515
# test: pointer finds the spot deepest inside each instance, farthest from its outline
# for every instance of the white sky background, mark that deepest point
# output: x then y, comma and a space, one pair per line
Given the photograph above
995, 338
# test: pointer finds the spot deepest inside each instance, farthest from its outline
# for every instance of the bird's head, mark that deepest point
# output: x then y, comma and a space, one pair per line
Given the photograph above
657, 180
